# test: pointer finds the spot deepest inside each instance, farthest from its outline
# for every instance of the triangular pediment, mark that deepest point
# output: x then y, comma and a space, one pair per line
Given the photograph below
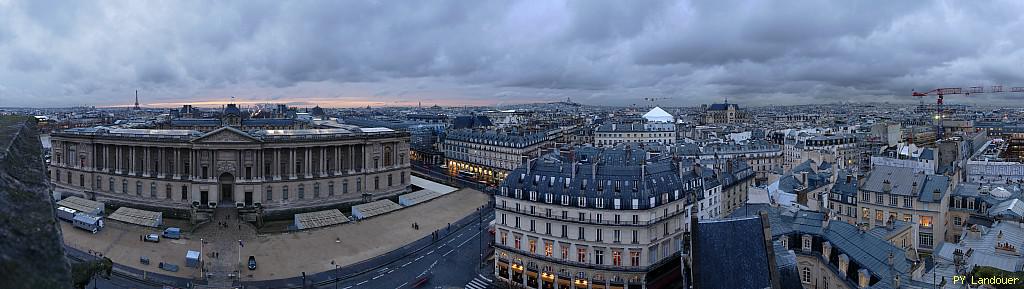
226, 134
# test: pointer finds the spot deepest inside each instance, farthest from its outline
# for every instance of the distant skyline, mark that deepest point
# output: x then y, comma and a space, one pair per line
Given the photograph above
454, 53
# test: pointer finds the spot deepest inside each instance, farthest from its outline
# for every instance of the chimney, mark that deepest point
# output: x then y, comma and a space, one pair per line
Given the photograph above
826, 250
844, 263
693, 248
913, 188
863, 278
886, 186
680, 165
767, 233
824, 221
803, 178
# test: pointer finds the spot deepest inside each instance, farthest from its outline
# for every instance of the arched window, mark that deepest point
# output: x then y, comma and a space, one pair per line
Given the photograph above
124, 186
302, 191
110, 184
316, 190
344, 187
138, 188
387, 156
359, 185
376, 183
152, 189
330, 188
167, 190
269, 192
284, 193
390, 182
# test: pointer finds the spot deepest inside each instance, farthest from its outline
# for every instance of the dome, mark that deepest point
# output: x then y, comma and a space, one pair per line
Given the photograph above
1000, 193
658, 115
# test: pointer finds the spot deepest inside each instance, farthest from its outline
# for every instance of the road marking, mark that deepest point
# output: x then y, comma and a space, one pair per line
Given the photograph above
406, 264
378, 276
460, 235
347, 287
485, 278
432, 265
391, 271
431, 252
449, 252
403, 284
418, 258
361, 283
467, 240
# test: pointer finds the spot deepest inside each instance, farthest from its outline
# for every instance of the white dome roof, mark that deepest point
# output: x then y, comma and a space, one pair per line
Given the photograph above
658, 115
1000, 193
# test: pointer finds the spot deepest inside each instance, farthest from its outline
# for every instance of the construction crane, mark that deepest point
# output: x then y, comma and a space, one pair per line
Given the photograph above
655, 99
941, 92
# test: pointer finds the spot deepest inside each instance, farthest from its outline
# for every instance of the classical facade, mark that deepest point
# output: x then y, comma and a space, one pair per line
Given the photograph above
605, 219
488, 155
271, 169
613, 134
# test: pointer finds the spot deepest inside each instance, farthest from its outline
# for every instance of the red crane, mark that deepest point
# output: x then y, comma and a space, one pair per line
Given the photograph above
940, 92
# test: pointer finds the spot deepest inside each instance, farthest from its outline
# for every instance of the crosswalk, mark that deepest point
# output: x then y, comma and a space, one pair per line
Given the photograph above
480, 282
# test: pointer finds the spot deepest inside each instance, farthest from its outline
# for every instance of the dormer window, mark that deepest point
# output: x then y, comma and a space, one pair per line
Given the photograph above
582, 201
548, 198
533, 195
567, 181
565, 200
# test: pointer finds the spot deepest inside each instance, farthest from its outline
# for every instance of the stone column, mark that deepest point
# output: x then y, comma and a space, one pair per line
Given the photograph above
161, 164
131, 161
291, 164
323, 161
145, 161
308, 164
276, 168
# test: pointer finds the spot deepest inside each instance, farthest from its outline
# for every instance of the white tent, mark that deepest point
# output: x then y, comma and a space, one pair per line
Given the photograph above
658, 115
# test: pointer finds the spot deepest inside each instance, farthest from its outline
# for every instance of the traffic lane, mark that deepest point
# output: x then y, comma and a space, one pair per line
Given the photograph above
404, 272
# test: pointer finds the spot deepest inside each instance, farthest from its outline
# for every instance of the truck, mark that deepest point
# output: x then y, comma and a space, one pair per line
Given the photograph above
88, 222
172, 233
67, 214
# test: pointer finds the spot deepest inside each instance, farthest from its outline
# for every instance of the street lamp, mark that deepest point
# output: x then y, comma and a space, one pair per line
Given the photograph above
335, 274
201, 258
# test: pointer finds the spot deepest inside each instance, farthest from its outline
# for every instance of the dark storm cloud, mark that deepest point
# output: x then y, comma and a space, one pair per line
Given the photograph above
610, 52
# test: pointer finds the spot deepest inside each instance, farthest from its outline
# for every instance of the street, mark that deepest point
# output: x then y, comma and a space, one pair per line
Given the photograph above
453, 262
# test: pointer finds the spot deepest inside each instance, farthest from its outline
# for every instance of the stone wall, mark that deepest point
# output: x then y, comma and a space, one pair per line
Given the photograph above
32, 254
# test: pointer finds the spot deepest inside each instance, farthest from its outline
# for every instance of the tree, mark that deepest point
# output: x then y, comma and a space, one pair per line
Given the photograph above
83, 272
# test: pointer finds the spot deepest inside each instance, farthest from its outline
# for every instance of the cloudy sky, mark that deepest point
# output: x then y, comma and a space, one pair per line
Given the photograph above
355, 53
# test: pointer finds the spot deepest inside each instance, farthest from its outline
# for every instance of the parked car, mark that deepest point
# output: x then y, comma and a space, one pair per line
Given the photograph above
252, 262
155, 238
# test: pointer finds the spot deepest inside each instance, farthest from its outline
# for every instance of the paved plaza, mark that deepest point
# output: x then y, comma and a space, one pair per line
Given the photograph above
278, 255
